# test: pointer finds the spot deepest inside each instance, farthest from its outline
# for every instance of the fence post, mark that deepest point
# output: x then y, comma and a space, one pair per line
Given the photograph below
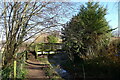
36, 50
26, 55
15, 69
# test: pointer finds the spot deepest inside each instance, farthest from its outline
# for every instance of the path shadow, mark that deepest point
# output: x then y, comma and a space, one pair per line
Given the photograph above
37, 64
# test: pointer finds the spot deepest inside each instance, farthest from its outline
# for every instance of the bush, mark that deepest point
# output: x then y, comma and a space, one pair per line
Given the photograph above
114, 51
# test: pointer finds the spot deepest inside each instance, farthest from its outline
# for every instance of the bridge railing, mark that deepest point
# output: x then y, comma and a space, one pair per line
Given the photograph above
48, 48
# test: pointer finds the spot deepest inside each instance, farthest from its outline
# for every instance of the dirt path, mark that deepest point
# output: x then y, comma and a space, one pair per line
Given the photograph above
35, 69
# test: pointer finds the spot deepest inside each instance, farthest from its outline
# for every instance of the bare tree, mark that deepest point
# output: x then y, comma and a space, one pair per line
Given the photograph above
23, 20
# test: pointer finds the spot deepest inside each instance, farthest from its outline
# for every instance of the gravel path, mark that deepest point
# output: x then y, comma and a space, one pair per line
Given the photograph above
35, 69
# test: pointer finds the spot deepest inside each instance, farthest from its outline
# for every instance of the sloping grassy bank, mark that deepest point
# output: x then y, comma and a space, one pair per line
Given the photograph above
99, 68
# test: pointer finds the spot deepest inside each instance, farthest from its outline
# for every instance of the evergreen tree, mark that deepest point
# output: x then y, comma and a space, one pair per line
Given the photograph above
87, 32
52, 39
